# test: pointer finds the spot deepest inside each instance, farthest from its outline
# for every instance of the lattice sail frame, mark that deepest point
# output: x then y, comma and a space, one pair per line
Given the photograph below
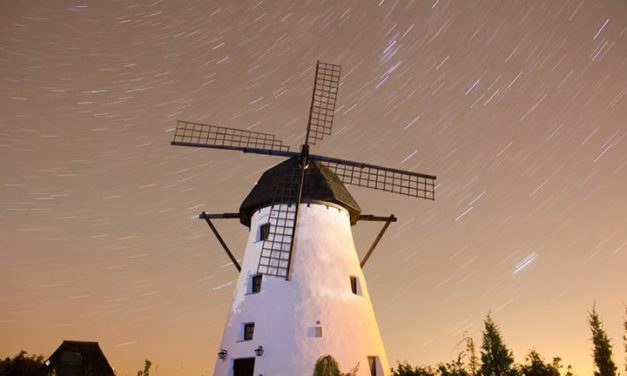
324, 98
188, 133
276, 251
381, 178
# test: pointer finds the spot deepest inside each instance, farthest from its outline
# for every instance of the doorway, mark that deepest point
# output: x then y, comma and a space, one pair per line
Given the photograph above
243, 367
375, 366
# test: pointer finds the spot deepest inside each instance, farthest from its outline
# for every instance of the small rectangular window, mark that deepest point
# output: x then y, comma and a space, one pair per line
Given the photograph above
318, 331
355, 288
249, 330
255, 284
264, 232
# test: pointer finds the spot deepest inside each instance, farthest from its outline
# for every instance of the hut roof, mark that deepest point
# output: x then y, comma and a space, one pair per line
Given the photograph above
79, 358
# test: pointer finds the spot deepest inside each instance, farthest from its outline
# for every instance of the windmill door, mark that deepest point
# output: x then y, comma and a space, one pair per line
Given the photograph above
244, 367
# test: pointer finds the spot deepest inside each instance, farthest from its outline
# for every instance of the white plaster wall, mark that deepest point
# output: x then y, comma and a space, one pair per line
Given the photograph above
286, 313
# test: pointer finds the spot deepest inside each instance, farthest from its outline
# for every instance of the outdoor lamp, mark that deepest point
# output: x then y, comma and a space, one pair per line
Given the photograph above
259, 351
222, 354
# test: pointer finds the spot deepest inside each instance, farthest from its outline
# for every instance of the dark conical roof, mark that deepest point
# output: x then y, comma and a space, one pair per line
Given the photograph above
79, 358
320, 184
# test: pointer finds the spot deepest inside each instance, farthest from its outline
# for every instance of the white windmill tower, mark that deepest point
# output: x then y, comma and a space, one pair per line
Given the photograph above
301, 292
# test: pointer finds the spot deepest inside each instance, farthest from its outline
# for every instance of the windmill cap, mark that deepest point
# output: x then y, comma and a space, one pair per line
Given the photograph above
320, 184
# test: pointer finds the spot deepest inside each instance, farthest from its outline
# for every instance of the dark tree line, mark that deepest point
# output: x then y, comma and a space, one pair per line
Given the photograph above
33, 365
22, 365
494, 359
497, 360
625, 339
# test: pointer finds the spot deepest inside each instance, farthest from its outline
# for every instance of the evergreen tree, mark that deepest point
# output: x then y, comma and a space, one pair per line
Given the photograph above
496, 358
473, 361
557, 364
327, 366
602, 348
404, 369
535, 366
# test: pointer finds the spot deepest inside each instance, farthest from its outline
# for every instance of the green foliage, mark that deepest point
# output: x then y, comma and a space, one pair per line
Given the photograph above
21, 365
602, 348
558, 366
146, 371
496, 358
404, 369
327, 366
453, 368
458, 367
535, 366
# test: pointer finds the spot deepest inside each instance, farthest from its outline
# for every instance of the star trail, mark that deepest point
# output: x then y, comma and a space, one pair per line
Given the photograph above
518, 107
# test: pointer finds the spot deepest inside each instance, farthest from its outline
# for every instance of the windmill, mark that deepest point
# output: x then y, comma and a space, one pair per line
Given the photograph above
300, 245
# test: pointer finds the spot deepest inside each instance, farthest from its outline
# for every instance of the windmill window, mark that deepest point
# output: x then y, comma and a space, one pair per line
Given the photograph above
255, 284
249, 330
264, 232
355, 287
318, 331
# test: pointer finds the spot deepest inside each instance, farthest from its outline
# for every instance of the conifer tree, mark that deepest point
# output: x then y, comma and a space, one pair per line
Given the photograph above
557, 364
496, 358
602, 348
536, 366
327, 366
473, 361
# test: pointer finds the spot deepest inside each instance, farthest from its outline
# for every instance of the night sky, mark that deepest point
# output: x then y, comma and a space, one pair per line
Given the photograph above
519, 108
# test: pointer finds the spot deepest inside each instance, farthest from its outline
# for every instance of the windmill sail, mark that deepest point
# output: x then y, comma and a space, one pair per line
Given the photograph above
212, 136
381, 178
323, 102
276, 250
278, 246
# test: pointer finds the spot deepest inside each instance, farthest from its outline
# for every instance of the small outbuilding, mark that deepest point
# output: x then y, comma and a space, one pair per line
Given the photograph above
78, 358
